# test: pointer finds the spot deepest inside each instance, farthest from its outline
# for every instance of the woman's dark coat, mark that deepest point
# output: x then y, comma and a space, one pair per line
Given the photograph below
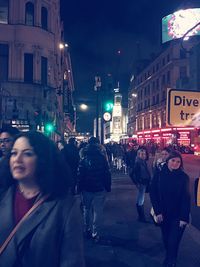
141, 172
50, 237
170, 195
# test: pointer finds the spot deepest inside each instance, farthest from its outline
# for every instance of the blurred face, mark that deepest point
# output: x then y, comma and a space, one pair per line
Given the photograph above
23, 160
174, 164
164, 155
6, 142
142, 155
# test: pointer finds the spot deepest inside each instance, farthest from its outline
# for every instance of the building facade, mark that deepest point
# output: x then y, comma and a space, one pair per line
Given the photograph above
148, 92
31, 64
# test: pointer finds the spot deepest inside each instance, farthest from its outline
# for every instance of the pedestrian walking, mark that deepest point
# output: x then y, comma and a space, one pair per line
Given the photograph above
71, 155
38, 208
161, 160
142, 180
7, 134
170, 197
94, 181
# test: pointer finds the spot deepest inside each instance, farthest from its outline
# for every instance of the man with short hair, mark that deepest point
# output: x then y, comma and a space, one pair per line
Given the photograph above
7, 134
94, 181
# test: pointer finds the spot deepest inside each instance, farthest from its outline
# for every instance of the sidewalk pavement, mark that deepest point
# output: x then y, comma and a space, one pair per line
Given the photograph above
129, 243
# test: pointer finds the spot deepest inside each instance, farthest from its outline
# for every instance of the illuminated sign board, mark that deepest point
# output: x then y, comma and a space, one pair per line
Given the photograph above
175, 25
183, 108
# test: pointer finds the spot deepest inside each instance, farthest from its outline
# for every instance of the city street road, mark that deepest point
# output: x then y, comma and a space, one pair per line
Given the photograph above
192, 168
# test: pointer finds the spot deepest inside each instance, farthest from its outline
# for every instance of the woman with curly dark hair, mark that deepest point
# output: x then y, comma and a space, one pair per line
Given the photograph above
36, 205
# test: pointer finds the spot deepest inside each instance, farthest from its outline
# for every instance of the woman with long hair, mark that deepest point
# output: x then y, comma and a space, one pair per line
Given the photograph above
37, 181
170, 197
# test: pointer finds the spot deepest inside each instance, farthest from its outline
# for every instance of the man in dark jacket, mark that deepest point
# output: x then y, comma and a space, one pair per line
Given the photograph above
71, 155
94, 181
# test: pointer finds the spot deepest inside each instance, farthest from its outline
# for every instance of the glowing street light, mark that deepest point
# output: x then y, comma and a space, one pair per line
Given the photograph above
83, 107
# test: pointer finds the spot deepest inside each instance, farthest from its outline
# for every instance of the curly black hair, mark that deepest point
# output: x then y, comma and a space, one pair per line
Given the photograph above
52, 173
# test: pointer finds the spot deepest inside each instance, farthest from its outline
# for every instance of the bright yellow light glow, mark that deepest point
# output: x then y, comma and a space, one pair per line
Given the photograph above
83, 107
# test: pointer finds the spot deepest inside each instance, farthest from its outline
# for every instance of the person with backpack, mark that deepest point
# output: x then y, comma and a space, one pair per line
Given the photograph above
94, 180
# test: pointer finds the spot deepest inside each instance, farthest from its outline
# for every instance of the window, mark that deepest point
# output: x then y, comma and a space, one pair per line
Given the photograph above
28, 68
157, 84
4, 11
182, 54
157, 98
163, 79
3, 62
153, 86
168, 57
168, 77
29, 17
44, 65
163, 95
44, 18
183, 72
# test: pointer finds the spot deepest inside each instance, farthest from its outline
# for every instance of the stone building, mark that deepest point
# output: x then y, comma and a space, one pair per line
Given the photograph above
32, 64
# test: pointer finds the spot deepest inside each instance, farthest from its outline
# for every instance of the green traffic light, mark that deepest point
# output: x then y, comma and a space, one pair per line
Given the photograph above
108, 106
49, 128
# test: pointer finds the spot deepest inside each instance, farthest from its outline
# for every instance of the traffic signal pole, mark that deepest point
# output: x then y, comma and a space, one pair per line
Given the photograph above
97, 112
97, 89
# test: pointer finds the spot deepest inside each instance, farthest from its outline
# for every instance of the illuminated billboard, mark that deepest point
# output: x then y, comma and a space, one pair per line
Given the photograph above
175, 25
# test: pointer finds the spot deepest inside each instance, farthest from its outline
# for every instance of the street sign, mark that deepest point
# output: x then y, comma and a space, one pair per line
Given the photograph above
107, 116
183, 108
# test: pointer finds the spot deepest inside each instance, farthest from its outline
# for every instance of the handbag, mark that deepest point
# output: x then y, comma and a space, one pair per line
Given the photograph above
8, 239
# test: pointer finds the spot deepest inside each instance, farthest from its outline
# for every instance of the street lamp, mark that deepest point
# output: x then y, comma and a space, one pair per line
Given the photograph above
83, 107
185, 37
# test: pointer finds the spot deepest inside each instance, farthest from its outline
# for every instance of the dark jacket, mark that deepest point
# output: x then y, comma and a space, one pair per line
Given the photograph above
141, 172
170, 196
51, 236
93, 172
71, 155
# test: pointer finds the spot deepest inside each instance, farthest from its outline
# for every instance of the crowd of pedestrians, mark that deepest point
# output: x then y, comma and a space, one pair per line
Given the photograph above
40, 181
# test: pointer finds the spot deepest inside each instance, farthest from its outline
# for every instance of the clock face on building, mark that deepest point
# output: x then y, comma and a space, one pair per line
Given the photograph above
107, 116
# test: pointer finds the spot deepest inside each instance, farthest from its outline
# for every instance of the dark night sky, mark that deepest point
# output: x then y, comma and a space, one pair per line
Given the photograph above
96, 30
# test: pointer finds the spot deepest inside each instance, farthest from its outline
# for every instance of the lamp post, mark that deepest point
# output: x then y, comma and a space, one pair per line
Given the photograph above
97, 89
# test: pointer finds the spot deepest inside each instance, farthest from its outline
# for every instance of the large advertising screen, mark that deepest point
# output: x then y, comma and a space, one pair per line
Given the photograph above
175, 25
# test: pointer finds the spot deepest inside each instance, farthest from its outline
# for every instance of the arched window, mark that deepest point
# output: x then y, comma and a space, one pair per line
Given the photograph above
4, 11
29, 17
44, 18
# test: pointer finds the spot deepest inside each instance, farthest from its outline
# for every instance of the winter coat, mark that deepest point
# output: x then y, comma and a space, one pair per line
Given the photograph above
51, 236
93, 172
170, 196
71, 155
141, 172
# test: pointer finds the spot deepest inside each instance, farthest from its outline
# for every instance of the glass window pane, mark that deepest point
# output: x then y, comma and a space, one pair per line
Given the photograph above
4, 11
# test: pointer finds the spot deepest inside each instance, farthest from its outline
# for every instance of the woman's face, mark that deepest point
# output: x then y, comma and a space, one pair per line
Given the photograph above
174, 164
142, 155
164, 155
23, 160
